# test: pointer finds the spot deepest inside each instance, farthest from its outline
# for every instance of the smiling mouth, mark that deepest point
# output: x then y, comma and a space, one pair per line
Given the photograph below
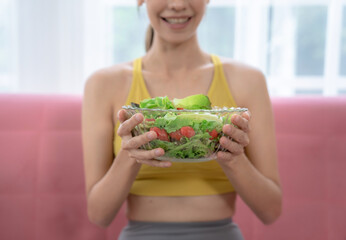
176, 20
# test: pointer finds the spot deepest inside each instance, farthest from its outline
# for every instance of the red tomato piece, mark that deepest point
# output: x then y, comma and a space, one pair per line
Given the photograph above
187, 131
176, 135
150, 119
180, 108
161, 133
213, 134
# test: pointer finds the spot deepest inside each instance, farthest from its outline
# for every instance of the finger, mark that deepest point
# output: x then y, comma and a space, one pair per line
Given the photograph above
140, 140
156, 163
246, 115
240, 122
141, 154
224, 156
147, 157
122, 115
236, 134
126, 127
233, 147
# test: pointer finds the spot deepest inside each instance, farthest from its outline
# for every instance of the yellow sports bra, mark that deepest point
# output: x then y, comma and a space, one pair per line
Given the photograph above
181, 179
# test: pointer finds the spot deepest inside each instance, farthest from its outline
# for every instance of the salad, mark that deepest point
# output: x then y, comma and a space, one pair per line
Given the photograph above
188, 129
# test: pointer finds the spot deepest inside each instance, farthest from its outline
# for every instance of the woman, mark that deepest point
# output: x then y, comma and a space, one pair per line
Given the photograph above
178, 200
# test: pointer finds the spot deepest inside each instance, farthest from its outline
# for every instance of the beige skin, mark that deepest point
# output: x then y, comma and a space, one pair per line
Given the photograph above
175, 66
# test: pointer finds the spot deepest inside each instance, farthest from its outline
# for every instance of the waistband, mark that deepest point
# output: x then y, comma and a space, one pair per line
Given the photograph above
219, 229
215, 223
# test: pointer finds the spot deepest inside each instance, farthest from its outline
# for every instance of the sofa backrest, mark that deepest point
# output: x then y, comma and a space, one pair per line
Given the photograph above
42, 193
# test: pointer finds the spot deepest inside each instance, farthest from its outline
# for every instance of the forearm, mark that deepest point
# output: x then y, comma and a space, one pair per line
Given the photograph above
260, 193
107, 195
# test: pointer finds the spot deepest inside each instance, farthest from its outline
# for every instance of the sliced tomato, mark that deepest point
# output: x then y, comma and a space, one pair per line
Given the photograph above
161, 133
187, 131
150, 119
176, 135
213, 134
180, 108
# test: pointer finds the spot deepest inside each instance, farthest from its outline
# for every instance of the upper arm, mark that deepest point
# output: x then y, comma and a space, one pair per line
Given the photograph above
97, 129
249, 89
262, 150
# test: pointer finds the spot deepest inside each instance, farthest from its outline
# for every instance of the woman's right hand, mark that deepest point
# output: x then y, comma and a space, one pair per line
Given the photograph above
132, 144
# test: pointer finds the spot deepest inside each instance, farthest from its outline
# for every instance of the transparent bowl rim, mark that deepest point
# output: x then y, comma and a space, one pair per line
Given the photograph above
214, 110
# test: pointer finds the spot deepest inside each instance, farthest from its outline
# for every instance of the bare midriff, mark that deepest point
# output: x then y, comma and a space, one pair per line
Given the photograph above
181, 209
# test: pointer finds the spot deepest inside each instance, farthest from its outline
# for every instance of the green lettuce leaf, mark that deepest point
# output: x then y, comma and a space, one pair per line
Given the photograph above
196, 147
199, 122
158, 102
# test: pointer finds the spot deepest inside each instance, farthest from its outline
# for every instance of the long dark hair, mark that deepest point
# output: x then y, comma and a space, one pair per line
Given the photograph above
149, 38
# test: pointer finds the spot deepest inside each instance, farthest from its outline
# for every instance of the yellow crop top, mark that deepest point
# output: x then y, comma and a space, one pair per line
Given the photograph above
181, 179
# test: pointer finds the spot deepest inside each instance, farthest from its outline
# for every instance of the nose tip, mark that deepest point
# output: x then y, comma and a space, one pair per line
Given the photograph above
177, 4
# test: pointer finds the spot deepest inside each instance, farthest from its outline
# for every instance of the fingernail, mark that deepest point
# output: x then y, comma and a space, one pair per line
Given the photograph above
138, 117
165, 164
151, 135
158, 152
222, 139
227, 128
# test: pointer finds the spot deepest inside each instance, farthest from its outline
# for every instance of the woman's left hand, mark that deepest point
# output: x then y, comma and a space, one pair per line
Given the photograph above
236, 138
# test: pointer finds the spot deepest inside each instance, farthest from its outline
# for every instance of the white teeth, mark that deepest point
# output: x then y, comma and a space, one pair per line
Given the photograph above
177, 20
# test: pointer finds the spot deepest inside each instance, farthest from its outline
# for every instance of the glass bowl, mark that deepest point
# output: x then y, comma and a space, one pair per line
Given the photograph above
185, 135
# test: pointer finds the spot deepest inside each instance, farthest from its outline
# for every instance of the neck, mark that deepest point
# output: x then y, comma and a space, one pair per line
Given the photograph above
172, 57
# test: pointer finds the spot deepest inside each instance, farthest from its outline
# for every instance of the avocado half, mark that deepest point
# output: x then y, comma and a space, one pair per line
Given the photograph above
198, 101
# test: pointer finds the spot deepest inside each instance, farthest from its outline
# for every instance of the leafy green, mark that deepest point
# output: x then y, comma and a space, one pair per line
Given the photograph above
210, 125
195, 147
174, 125
199, 122
199, 145
157, 102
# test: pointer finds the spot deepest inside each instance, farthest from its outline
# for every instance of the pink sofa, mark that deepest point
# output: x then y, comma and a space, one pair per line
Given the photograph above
42, 192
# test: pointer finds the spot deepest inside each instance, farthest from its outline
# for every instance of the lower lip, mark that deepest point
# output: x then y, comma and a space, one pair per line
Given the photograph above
177, 25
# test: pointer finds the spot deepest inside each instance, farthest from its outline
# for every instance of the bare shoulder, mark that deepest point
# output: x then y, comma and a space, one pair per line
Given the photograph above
109, 84
247, 83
